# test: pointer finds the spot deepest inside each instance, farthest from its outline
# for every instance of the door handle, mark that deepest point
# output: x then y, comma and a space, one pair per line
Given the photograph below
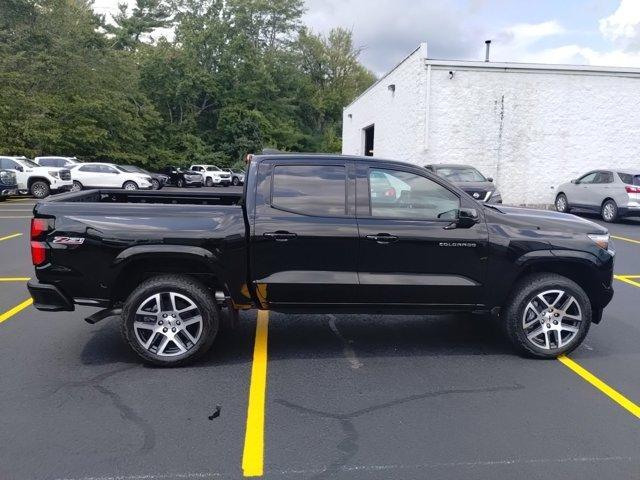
382, 238
279, 236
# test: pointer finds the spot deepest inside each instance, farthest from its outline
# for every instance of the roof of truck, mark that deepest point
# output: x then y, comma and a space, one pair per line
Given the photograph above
328, 156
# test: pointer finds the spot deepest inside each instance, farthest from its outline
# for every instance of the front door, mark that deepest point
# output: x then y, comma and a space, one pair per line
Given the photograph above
411, 253
304, 238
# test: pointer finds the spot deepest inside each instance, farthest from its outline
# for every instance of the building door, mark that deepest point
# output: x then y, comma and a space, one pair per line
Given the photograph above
368, 140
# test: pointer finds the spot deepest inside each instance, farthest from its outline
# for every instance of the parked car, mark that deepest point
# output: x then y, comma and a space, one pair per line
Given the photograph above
107, 175
36, 180
158, 180
613, 194
310, 237
237, 177
8, 184
212, 175
468, 179
183, 178
62, 162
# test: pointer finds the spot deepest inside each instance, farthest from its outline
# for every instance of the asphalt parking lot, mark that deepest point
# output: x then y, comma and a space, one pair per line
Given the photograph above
345, 396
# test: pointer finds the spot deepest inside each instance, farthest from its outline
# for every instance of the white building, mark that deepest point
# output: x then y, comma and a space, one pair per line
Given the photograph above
530, 126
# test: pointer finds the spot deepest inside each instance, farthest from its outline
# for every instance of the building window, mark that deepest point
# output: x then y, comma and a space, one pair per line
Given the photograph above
368, 140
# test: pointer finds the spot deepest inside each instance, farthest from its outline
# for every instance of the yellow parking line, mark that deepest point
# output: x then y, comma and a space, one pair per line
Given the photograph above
13, 235
18, 308
589, 377
253, 453
628, 279
626, 239
15, 279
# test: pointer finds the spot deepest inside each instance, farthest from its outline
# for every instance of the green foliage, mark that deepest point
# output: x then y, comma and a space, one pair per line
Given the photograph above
238, 76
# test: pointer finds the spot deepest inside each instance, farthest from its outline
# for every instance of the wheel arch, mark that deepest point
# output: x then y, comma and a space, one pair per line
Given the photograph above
34, 179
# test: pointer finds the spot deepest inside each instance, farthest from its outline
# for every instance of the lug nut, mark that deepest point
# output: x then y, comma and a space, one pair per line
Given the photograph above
555, 322
178, 322
164, 330
557, 315
160, 322
164, 315
173, 329
548, 325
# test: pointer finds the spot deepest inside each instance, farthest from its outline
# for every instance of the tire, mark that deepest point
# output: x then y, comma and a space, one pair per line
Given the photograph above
609, 211
155, 184
76, 187
129, 185
208, 182
562, 204
160, 326
180, 183
40, 189
235, 181
523, 318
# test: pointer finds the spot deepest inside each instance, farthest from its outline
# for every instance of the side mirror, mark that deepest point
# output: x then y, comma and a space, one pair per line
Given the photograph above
490, 179
467, 218
574, 181
19, 168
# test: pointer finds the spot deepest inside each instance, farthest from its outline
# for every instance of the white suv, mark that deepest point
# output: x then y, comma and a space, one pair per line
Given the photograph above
212, 175
37, 180
106, 175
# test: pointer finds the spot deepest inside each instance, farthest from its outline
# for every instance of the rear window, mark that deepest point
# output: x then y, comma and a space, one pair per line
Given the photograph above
51, 162
310, 189
630, 179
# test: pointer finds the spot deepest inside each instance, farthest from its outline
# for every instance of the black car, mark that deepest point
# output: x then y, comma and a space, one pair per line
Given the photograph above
182, 178
158, 180
8, 184
309, 235
468, 179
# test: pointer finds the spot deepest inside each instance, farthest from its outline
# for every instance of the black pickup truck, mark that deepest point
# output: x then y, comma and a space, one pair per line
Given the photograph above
317, 233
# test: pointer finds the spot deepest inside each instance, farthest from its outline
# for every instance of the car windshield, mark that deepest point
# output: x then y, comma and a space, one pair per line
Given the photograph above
461, 174
630, 179
213, 169
27, 163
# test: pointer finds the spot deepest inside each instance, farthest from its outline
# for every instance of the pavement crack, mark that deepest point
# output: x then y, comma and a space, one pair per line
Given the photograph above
348, 350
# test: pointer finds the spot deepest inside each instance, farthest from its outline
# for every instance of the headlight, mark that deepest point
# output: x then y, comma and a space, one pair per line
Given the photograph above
53, 173
600, 239
8, 178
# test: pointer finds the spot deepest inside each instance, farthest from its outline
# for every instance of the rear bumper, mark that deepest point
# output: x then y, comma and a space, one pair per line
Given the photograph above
48, 297
629, 211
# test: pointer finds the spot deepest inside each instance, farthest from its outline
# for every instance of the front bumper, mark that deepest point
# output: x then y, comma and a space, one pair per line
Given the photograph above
48, 297
6, 191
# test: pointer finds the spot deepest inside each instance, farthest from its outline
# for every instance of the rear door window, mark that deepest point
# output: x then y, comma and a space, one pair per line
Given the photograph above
318, 190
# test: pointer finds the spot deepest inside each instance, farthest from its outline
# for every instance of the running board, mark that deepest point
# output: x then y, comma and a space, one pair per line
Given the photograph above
102, 314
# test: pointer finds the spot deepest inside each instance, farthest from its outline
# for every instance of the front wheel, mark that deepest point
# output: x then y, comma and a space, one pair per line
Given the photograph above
562, 205
155, 184
130, 185
609, 211
180, 183
76, 187
209, 182
170, 320
235, 181
547, 315
40, 189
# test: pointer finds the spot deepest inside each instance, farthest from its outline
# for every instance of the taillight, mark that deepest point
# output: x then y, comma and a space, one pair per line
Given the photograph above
39, 227
632, 189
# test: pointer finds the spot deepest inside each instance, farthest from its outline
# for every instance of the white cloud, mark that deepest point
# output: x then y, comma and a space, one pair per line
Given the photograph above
623, 26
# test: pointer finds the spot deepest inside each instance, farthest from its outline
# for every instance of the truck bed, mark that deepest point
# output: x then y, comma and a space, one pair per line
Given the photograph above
149, 196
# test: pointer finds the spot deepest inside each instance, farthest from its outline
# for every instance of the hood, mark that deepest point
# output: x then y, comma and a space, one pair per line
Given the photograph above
546, 220
475, 185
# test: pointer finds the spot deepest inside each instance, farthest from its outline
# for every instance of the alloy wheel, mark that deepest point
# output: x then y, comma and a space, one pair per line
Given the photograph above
552, 319
561, 204
39, 190
168, 324
608, 211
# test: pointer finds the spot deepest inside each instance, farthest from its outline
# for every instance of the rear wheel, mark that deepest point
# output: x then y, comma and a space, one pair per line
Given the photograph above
609, 211
180, 183
562, 205
170, 320
40, 189
209, 182
547, 315
235, 181
76, 187
155, 184
130, 185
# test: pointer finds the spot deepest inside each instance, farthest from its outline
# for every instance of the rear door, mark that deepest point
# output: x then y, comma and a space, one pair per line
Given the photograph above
409, 253
304, 236
600, 189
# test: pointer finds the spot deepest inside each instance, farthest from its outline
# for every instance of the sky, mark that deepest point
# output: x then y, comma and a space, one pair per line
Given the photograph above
587, 32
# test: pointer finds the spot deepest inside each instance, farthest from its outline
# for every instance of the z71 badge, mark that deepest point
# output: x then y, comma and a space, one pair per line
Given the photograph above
68, 240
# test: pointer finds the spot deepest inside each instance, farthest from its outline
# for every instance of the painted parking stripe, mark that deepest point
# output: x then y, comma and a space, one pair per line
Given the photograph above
15, 216
8, 237
253, 453
589, 377
18, 308
15, 279
630, 279
626, 239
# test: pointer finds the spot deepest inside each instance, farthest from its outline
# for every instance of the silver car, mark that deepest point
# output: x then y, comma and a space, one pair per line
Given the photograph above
612, 193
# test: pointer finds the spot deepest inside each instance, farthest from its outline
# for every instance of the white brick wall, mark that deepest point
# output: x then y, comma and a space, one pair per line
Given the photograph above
529, 129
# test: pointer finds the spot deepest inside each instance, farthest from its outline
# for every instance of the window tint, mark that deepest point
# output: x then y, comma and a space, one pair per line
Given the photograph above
398, 194
310, 189
50, 162
7, 163
588, 178
604, 177
89, 168
629, 179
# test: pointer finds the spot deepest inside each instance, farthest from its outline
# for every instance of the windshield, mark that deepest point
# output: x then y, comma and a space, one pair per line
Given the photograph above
213, 169
26, 162
461, 174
